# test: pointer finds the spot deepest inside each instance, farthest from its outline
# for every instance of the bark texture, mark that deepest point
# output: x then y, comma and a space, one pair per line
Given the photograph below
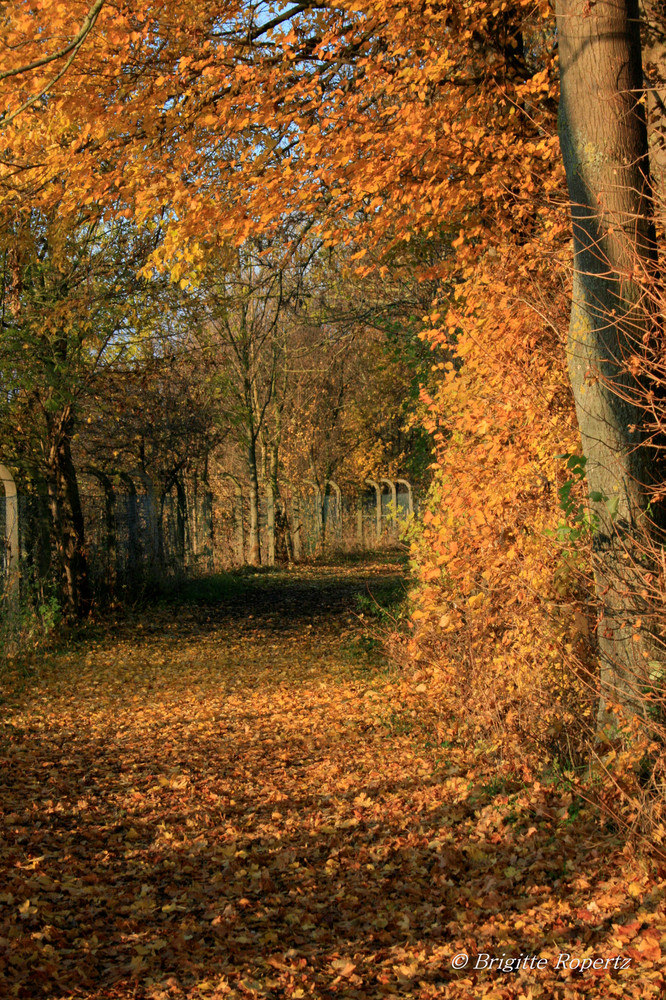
67, 519
254, 555
604, 145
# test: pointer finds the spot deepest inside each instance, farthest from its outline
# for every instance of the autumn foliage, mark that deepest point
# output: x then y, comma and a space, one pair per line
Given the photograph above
370, 126
235, 801
391, 170
497, 595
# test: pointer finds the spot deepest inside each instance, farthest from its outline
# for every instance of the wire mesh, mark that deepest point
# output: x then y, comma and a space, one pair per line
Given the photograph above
135, 540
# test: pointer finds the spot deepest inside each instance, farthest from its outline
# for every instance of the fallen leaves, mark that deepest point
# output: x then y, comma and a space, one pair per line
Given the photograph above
189, 816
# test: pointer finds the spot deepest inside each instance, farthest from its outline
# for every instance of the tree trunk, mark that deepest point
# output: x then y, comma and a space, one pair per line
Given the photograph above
254, 555
604, 145
68, 526
273, 522
181, 522
295, 527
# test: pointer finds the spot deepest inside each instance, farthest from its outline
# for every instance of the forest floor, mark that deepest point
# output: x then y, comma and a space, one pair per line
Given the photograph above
234, 796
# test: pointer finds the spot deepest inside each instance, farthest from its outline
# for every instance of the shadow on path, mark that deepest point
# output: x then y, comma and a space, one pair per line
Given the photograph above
177, 826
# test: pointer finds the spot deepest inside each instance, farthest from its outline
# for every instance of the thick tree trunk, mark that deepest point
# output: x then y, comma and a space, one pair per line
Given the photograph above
604, 146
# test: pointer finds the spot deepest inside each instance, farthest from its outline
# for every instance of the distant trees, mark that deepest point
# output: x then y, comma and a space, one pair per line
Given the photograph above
241, 320
304, 389
67, 294
262, 365
432, 127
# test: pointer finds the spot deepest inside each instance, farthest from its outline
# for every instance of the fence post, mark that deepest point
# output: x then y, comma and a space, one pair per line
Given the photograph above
150, 513
295, 526
335, 490
393, 518
133, 538
11, 538
319, 514
378, 507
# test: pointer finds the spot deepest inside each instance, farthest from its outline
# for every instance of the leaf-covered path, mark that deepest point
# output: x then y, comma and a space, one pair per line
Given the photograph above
237, 799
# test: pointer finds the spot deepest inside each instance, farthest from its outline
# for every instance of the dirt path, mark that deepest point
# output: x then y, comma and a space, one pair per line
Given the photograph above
232, 800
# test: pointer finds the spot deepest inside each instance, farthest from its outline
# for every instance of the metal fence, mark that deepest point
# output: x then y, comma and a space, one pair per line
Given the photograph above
137, 538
